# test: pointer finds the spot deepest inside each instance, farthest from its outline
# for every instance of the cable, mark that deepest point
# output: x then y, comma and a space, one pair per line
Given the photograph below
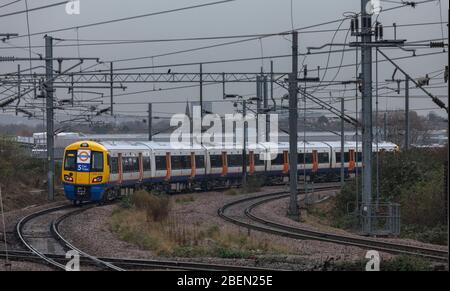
440, 15
102, 42
10, 3
128, 18
33, 9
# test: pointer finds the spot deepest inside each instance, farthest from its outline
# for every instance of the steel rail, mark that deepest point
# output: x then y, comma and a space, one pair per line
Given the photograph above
301, 233
57, 234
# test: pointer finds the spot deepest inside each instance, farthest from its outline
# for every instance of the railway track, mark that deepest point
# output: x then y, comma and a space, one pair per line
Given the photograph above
39, 233
264, 225
137, 264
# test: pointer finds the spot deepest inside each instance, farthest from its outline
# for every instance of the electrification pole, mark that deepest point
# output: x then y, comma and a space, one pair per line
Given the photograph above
342, 144
366, 59
294, 211
49, 109
406, 113
111, 76
201, 91
266, 107
244, 150
150, 122
19, 89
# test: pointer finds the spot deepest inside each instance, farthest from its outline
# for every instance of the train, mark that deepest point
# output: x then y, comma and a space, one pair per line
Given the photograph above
102, 171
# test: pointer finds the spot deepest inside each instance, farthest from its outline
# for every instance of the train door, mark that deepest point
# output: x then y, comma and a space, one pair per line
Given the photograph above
120, 164
224, 164
315, 161
168, 166
351, 162
285, 162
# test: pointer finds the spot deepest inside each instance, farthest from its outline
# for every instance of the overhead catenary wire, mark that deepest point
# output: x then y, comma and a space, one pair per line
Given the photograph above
127, 18
33, 9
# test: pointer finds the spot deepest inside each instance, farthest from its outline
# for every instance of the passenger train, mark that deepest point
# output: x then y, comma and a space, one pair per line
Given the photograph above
100, 171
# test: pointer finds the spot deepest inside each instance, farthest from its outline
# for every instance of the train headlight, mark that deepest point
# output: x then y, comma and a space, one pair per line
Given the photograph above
97, 179
68, 178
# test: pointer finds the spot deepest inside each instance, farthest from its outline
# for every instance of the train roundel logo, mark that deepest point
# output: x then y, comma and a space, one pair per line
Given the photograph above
84, 157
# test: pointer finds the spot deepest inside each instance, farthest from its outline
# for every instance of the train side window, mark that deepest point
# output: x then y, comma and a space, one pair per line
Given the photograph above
146, 164
135, 163
324, 158
160, 163
200, 162
346, 157
114, 165
258, 160
279, 160
302, 158
177, 163
216, 161
359, 156
235, 160
124, 165
186, 162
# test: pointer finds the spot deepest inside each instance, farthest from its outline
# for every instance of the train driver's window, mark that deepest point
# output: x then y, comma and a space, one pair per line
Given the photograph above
70, 161
97, 162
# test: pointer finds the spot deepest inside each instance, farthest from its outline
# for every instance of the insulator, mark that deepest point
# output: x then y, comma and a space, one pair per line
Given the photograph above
7, 102
377, 30
381, 32
356, 24
352, 25
446, 74
7, 59
436, 44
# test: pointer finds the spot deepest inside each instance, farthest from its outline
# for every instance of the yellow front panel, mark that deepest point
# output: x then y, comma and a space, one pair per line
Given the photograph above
84, 174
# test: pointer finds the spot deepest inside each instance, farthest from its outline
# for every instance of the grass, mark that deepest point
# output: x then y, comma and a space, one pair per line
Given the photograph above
171, 235
185, 200
399, 263
254, 184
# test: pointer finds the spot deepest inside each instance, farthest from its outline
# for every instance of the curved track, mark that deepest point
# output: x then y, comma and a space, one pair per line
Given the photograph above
249, 220
39, 233
137, 264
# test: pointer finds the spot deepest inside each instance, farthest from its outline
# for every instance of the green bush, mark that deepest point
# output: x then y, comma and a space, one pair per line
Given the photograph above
415, 180
17, 165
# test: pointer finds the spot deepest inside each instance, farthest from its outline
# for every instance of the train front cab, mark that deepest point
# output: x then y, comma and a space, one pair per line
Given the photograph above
85, 171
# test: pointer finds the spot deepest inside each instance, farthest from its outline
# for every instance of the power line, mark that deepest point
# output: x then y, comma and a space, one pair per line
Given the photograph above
128, 18
10, 3
33, 9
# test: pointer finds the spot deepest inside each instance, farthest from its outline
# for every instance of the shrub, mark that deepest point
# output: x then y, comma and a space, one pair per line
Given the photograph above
156, 207
415, 180
254, 184
232, 192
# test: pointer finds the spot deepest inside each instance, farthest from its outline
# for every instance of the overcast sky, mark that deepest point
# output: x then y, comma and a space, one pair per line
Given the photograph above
234, 18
